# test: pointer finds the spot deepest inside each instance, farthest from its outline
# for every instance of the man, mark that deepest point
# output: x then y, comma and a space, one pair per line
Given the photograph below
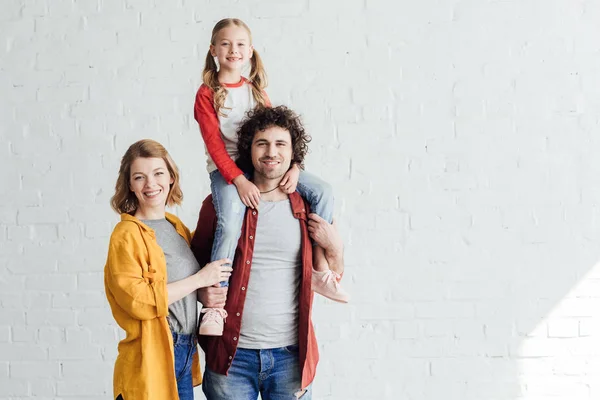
268, 345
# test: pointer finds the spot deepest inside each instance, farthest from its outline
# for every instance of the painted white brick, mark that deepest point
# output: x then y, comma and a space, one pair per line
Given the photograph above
98, 230
8, 216
83, 387
4, 334
406, 330
74, 352
74, 370
571, 388
22, 370
45, 233
51, 335
91, 280
69, 232
565, 328
78, 335
20, 233
23, 334
589, 327
14, 387
32, 263
22, 352
51, 318
446, 309
95, 317
53, 283
39, 215
12, 317
43, 387
78, 299
25, 300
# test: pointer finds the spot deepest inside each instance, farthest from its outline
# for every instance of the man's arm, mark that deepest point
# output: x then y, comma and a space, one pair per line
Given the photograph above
327, 236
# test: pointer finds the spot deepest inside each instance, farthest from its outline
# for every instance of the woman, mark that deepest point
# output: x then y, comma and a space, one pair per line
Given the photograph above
151, 277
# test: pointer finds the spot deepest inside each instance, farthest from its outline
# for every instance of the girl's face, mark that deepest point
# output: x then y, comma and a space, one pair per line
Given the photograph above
150, 181
232, 48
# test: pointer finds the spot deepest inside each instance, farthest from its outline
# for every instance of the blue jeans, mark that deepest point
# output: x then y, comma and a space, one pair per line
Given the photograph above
185, 347
318, 193
230, 210
274, 373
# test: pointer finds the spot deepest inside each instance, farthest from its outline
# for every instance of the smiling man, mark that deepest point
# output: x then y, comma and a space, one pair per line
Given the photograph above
268, 344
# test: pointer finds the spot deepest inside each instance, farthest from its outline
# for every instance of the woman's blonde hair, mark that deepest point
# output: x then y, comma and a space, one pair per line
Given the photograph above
124, 200
258, 76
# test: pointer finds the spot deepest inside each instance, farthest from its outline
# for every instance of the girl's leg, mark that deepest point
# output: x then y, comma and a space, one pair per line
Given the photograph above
318, 193
230, 217
320, 196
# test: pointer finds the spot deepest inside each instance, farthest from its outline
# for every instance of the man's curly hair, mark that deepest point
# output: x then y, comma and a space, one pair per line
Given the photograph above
266, 117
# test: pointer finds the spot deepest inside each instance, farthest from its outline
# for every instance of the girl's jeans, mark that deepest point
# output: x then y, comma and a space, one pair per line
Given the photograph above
230, 210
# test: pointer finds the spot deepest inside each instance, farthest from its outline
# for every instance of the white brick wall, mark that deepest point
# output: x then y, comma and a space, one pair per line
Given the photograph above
462, 139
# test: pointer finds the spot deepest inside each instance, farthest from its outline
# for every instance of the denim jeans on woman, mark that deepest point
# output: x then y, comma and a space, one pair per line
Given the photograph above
274, 373
185, 346
230, 210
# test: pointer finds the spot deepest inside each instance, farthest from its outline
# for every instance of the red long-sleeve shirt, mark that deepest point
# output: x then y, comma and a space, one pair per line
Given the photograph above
220, 132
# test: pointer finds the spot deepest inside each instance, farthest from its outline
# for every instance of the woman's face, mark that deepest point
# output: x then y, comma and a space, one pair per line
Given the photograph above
150, 181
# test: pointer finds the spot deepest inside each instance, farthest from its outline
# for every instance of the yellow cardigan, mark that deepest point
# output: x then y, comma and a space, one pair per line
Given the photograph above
135, 280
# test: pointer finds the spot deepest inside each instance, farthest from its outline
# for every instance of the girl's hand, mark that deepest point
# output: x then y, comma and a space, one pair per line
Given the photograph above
290, 180
248, 192
214, 272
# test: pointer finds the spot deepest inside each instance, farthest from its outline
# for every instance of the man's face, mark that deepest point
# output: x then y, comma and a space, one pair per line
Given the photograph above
272, 152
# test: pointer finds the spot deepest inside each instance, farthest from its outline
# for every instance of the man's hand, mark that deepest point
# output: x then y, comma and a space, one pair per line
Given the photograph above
290, 180
248, 192
212, 297
325, 234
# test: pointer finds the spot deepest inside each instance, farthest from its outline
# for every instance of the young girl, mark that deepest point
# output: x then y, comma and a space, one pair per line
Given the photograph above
221, 104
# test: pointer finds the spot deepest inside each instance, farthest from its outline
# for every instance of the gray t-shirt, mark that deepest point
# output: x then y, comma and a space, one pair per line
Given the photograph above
181, 263
270, 317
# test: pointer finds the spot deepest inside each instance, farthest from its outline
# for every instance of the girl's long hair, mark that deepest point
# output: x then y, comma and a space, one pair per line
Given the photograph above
258, 76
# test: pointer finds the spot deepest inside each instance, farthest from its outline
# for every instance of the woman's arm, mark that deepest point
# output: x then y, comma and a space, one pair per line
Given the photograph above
138, 293
209, 275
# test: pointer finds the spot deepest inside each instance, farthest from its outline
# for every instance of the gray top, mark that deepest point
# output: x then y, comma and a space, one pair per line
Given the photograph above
270, 317
181, 263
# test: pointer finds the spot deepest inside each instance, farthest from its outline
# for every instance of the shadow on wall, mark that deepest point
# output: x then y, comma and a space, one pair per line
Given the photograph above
489, 314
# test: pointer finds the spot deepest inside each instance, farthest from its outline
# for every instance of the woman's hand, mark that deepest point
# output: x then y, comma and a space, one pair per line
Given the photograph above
248, 192
290, 179
214, 272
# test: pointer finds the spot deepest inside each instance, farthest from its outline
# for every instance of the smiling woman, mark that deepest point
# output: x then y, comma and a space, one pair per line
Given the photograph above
136, 161
150, 182
150, 279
